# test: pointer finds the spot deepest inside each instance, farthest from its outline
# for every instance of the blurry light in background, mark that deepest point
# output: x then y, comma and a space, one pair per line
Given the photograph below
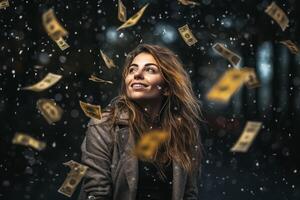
166, 32
111, 34
265, 74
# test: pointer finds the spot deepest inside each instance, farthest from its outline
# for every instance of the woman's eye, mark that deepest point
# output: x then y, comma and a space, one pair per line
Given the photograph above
150, 70
131, 70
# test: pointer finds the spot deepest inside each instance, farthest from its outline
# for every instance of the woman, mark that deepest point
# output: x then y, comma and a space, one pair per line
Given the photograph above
156, 93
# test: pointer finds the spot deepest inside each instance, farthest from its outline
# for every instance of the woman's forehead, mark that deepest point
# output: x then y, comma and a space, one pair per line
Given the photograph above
143, 57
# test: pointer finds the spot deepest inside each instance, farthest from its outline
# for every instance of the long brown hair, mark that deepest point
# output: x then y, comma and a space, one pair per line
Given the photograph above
181, 114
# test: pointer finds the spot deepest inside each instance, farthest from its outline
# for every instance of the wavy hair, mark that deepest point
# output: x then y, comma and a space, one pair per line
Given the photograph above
181, 115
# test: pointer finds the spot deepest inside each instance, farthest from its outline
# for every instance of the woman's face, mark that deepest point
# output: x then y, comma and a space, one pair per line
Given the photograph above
144, 80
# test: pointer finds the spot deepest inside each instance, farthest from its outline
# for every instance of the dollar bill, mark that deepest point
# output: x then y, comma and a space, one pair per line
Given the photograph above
187, 35
49, 80
134, 19
26, 140
233, 58
4, 4
122, 14
99, 80
50, 110
291, 46
73, 178
108, 61
92, 111
251, 79
62, 44
279, 16
189, 3
54, 29
246, 139
149, 143
227, 85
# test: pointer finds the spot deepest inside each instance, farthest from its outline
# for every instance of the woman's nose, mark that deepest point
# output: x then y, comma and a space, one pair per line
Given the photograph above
138, 74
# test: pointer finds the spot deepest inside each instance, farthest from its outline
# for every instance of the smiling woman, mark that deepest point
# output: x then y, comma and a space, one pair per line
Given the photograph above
156, 94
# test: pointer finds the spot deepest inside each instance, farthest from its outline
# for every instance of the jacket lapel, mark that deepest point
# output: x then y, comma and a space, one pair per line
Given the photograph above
130, 161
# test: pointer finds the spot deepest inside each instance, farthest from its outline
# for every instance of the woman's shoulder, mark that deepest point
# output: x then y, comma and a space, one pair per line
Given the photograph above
106, 117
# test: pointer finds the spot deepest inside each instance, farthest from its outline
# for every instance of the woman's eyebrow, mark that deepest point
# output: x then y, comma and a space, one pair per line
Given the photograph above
147, 64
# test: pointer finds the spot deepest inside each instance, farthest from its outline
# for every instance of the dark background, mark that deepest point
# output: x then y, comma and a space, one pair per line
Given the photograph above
269, 170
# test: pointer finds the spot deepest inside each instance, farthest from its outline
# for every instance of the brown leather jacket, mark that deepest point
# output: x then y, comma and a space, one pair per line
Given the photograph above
113, 172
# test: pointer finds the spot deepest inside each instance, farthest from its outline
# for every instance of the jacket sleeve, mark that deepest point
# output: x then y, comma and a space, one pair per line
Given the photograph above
192, 188
192, 184
96, 154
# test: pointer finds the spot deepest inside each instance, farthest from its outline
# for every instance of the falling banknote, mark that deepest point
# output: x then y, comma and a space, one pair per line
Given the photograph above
274, 11
291, 46
187, 35
54, 29
247, 137
48, 81
134, 19
227, 85
99, 80
73, 178
26, 140
149, 144
50, 110
189, 3
251, 79
108, 61
122, 16
4, 4
92, 111
233, 58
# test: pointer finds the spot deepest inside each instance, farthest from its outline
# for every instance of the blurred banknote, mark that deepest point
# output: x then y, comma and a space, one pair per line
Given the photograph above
108, 61
251, 79
26, 140
274, 11
291, 46
189, 3
54, 29
134, 19
122, 16
149, 144
92, 111
99, 80
187, 35
4, 4
227, 85
48, 81
50, 110
73, 178
233, 58
247, 137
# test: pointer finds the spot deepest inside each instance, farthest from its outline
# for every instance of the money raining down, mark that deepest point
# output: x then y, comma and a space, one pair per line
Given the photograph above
26, 140
291, 46
187, 35
134, 19
50, 110
246, 139
279, 16
189, 3
122, 14
99, 80
227, 85
73, 178
149, 144
49, 80
233, 58
92, 111
108, 61
251, 79
54, 29
4, 4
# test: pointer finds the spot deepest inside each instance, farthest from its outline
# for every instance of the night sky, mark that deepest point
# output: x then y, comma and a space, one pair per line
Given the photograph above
269, 170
